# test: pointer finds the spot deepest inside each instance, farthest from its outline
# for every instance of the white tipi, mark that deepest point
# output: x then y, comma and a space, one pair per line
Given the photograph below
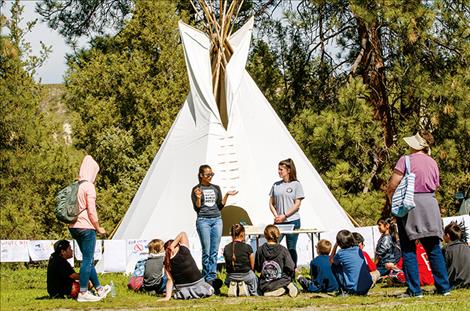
242, 150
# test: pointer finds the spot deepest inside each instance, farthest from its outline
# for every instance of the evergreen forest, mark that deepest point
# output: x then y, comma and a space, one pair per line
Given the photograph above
349, 78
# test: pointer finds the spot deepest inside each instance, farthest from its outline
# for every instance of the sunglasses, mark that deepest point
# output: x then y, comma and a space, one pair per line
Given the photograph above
208, 175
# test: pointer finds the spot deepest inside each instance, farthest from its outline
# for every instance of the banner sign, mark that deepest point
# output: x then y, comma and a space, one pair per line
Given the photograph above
14, 251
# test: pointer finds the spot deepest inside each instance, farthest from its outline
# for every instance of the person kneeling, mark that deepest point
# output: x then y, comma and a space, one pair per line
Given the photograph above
182, 272
240, 263
276, 266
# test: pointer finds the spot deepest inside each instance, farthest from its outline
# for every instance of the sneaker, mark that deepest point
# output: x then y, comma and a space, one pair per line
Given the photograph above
408, 294
232, 289
87, 297
275, 293
243, 289
292, 289
104, 291
303, 282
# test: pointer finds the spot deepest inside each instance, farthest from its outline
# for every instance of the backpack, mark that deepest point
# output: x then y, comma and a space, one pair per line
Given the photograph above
137, 279
67, 209
403, 198
271, 270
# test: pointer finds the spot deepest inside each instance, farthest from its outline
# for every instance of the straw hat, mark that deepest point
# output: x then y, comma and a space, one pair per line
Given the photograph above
417, 142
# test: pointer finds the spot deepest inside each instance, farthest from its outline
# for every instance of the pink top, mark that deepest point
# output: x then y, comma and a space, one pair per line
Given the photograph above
87, 194
425, 169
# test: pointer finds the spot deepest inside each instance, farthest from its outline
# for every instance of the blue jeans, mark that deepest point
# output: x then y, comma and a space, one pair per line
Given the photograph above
210, 232
291, 240
86, 240
410, 263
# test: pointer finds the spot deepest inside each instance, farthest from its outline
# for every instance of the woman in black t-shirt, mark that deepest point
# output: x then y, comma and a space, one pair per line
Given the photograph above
182, 272
207, 201
240, 263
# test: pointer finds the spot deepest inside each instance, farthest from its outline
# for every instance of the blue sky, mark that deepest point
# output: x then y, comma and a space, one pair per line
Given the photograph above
54, 68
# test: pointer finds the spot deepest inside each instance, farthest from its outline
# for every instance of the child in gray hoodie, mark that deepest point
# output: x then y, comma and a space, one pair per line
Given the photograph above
275, 265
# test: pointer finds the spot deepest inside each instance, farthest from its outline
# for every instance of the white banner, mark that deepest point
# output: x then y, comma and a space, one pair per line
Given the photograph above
98, 250
14, 251
135, 250
114, 256
40, 249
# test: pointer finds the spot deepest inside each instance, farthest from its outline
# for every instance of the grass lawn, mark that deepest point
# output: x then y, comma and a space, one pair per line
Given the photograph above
25, 289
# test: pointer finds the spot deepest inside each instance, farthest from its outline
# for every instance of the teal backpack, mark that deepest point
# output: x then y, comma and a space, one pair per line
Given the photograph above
67, 204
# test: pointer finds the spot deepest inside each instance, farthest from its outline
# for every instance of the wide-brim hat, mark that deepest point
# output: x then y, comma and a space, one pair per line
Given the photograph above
416, 142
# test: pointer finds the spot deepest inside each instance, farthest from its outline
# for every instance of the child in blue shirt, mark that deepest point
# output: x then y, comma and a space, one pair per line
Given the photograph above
322, 278
349, 266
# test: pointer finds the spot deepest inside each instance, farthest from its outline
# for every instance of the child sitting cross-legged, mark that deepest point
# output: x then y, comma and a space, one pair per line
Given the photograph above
374, 273
457, 256
322, 278
154, 276
275, 265
387, 253
240, 263
349, 266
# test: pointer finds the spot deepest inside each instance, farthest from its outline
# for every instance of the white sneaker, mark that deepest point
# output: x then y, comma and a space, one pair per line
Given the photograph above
87, 297
293, 290
275, 293
104, 291
243, 289
232, 289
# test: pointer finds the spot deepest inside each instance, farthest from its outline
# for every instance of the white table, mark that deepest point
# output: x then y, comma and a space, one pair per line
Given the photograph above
258, 232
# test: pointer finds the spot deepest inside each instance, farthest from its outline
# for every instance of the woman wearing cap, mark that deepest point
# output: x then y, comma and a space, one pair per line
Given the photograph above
424, 222
208, 202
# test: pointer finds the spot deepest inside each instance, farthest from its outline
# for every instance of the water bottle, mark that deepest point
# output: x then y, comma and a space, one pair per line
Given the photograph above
113, 289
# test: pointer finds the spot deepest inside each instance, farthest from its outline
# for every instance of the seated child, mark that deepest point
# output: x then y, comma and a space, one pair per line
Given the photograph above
182, 272
240, 263
154, 277
349, 266
276, 266
322, 278
61, 277
387, 253
374, 273
457, 256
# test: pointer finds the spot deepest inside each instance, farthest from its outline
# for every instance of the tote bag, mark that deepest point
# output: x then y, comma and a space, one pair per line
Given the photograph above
403, 198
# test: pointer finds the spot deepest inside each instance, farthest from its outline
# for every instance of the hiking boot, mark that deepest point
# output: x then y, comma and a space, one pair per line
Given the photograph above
243, 289
87, 297
103, 291
232, 289
275, 293
292, 289
303, 282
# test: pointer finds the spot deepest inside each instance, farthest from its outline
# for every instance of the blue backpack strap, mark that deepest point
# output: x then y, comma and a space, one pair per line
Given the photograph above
407, 165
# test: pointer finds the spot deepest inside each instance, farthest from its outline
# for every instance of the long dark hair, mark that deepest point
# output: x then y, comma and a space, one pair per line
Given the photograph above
201, 171
289, 163
235, 231
166, 261
392, 227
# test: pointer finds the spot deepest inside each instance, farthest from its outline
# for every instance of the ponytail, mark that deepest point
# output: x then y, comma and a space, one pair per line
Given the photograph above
235, 232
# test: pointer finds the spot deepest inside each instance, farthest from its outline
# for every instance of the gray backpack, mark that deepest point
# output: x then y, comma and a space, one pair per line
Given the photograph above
67, 209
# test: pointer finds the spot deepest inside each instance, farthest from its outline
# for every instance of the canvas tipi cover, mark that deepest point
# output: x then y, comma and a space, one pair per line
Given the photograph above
243, 157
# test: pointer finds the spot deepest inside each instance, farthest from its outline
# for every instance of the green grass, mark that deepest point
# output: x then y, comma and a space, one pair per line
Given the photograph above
25, 289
